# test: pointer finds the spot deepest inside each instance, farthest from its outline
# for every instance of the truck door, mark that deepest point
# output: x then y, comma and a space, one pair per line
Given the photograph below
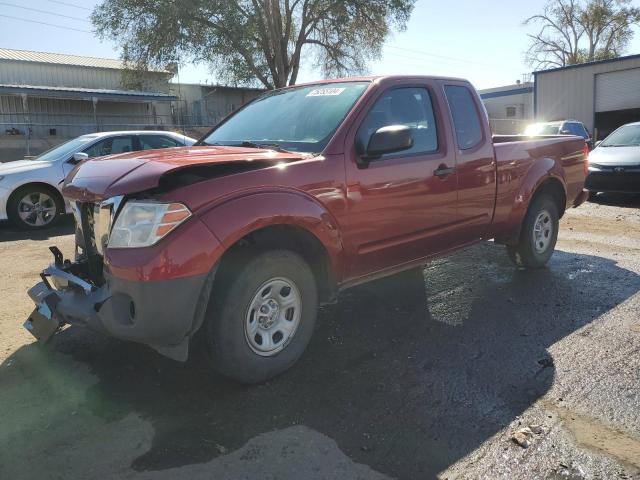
475, 162
401, 207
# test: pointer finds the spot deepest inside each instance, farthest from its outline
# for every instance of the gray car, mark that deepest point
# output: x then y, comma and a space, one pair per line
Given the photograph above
614, 165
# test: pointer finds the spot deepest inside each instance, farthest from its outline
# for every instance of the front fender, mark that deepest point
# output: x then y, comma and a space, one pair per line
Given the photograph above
237, 217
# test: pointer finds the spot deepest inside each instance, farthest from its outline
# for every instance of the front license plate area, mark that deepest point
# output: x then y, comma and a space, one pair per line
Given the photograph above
41, 323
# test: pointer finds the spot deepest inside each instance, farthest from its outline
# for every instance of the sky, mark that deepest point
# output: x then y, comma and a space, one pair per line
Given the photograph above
483, 41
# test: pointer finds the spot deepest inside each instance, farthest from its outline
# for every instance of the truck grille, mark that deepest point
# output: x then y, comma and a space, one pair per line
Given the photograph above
101, 226
87, 226
627, 182
90, 250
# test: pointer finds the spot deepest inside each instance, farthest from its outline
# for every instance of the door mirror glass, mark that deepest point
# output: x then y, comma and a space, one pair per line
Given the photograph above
389, 139
78, 157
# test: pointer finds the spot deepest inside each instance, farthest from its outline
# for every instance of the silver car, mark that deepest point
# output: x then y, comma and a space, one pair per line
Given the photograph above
30, 193
614, 165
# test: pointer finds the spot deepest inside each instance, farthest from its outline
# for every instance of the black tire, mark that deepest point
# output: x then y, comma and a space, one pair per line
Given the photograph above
55, 201
528, 253
225, 333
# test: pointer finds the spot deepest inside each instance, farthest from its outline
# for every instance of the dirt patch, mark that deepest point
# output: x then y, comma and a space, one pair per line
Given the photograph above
592, 433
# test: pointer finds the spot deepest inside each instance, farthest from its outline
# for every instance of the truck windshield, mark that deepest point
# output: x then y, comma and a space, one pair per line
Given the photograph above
301, 119
623, 137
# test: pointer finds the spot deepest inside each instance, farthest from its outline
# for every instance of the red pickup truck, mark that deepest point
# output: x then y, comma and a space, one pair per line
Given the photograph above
303, 192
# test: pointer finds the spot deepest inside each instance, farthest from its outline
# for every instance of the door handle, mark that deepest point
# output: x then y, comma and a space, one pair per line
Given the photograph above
443, 171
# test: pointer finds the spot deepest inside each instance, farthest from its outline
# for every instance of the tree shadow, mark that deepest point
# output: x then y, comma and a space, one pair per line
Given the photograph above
408, 374
9, 233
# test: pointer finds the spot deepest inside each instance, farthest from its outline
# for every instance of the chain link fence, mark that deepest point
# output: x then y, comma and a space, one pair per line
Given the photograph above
31, 134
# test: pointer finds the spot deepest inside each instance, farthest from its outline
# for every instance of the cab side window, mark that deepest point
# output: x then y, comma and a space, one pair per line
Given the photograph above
465, 116
410, 107
110, 146
148, 142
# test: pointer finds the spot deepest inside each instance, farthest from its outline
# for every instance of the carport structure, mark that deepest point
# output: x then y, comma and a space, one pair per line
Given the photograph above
603, 95
74, 107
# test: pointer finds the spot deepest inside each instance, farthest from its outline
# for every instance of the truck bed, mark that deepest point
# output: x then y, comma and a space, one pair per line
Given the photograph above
522, 163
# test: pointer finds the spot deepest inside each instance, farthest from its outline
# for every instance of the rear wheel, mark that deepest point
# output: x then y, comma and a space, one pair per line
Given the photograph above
262, 316
34, 207
538, 235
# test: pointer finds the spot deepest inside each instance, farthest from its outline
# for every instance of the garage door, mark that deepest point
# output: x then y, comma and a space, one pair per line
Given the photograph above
618, 90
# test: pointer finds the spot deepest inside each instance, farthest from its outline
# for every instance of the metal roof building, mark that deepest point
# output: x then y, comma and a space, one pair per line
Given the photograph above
47, 95
603, 95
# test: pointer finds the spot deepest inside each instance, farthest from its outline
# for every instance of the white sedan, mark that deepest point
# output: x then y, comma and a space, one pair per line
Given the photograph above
30, 193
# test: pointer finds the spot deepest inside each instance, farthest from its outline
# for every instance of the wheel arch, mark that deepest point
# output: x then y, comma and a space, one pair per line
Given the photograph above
45, 185
288, 237
289, 220
537, 183
555, 188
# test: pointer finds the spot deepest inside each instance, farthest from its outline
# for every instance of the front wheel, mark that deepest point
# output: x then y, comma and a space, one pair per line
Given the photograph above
538, 235
262, 317
35, 207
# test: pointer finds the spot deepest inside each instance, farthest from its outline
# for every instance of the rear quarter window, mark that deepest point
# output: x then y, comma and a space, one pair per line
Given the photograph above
465, 115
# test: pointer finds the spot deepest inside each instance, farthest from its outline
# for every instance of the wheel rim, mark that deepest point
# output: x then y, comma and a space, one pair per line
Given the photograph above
37, 209
542, 231
273, 316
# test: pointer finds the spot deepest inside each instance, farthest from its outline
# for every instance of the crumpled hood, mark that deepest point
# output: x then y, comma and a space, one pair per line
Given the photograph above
100, 178
21, 166
620, 156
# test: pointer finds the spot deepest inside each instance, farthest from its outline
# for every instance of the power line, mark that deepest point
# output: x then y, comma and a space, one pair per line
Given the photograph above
446, 62
70, 4
455, 59
43, 11
45, 23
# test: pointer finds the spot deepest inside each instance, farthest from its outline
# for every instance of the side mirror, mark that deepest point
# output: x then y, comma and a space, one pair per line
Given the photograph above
389, 139
597, 143
566, 132
78, 157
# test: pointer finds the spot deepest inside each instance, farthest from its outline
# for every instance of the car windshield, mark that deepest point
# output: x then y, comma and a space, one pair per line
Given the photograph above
301, 119
542, 129
66, 148
623, 137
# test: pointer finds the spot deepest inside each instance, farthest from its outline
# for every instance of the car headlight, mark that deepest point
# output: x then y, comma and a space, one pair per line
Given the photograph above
142, 224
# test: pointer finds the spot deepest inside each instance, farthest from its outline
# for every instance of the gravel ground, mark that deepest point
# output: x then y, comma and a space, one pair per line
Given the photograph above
427, 374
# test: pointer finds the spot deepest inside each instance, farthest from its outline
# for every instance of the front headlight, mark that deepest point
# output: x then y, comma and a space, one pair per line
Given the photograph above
141, 224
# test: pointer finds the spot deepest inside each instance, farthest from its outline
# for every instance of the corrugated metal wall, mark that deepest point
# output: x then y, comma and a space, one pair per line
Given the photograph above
29, 73
570, 93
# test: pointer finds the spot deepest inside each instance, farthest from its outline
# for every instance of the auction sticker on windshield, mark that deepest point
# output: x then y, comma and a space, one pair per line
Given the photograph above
325, 92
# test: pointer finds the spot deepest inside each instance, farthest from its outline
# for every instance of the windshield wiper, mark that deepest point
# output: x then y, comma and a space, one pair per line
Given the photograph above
248, 144
268, 146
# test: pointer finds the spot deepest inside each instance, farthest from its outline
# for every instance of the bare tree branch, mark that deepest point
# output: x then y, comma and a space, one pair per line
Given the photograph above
577, 31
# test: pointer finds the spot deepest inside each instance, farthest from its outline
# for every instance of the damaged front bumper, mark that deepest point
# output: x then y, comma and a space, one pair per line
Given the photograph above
162, 314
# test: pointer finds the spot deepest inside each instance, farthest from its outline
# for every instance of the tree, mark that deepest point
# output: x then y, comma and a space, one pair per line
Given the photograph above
252, 41
576, 31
